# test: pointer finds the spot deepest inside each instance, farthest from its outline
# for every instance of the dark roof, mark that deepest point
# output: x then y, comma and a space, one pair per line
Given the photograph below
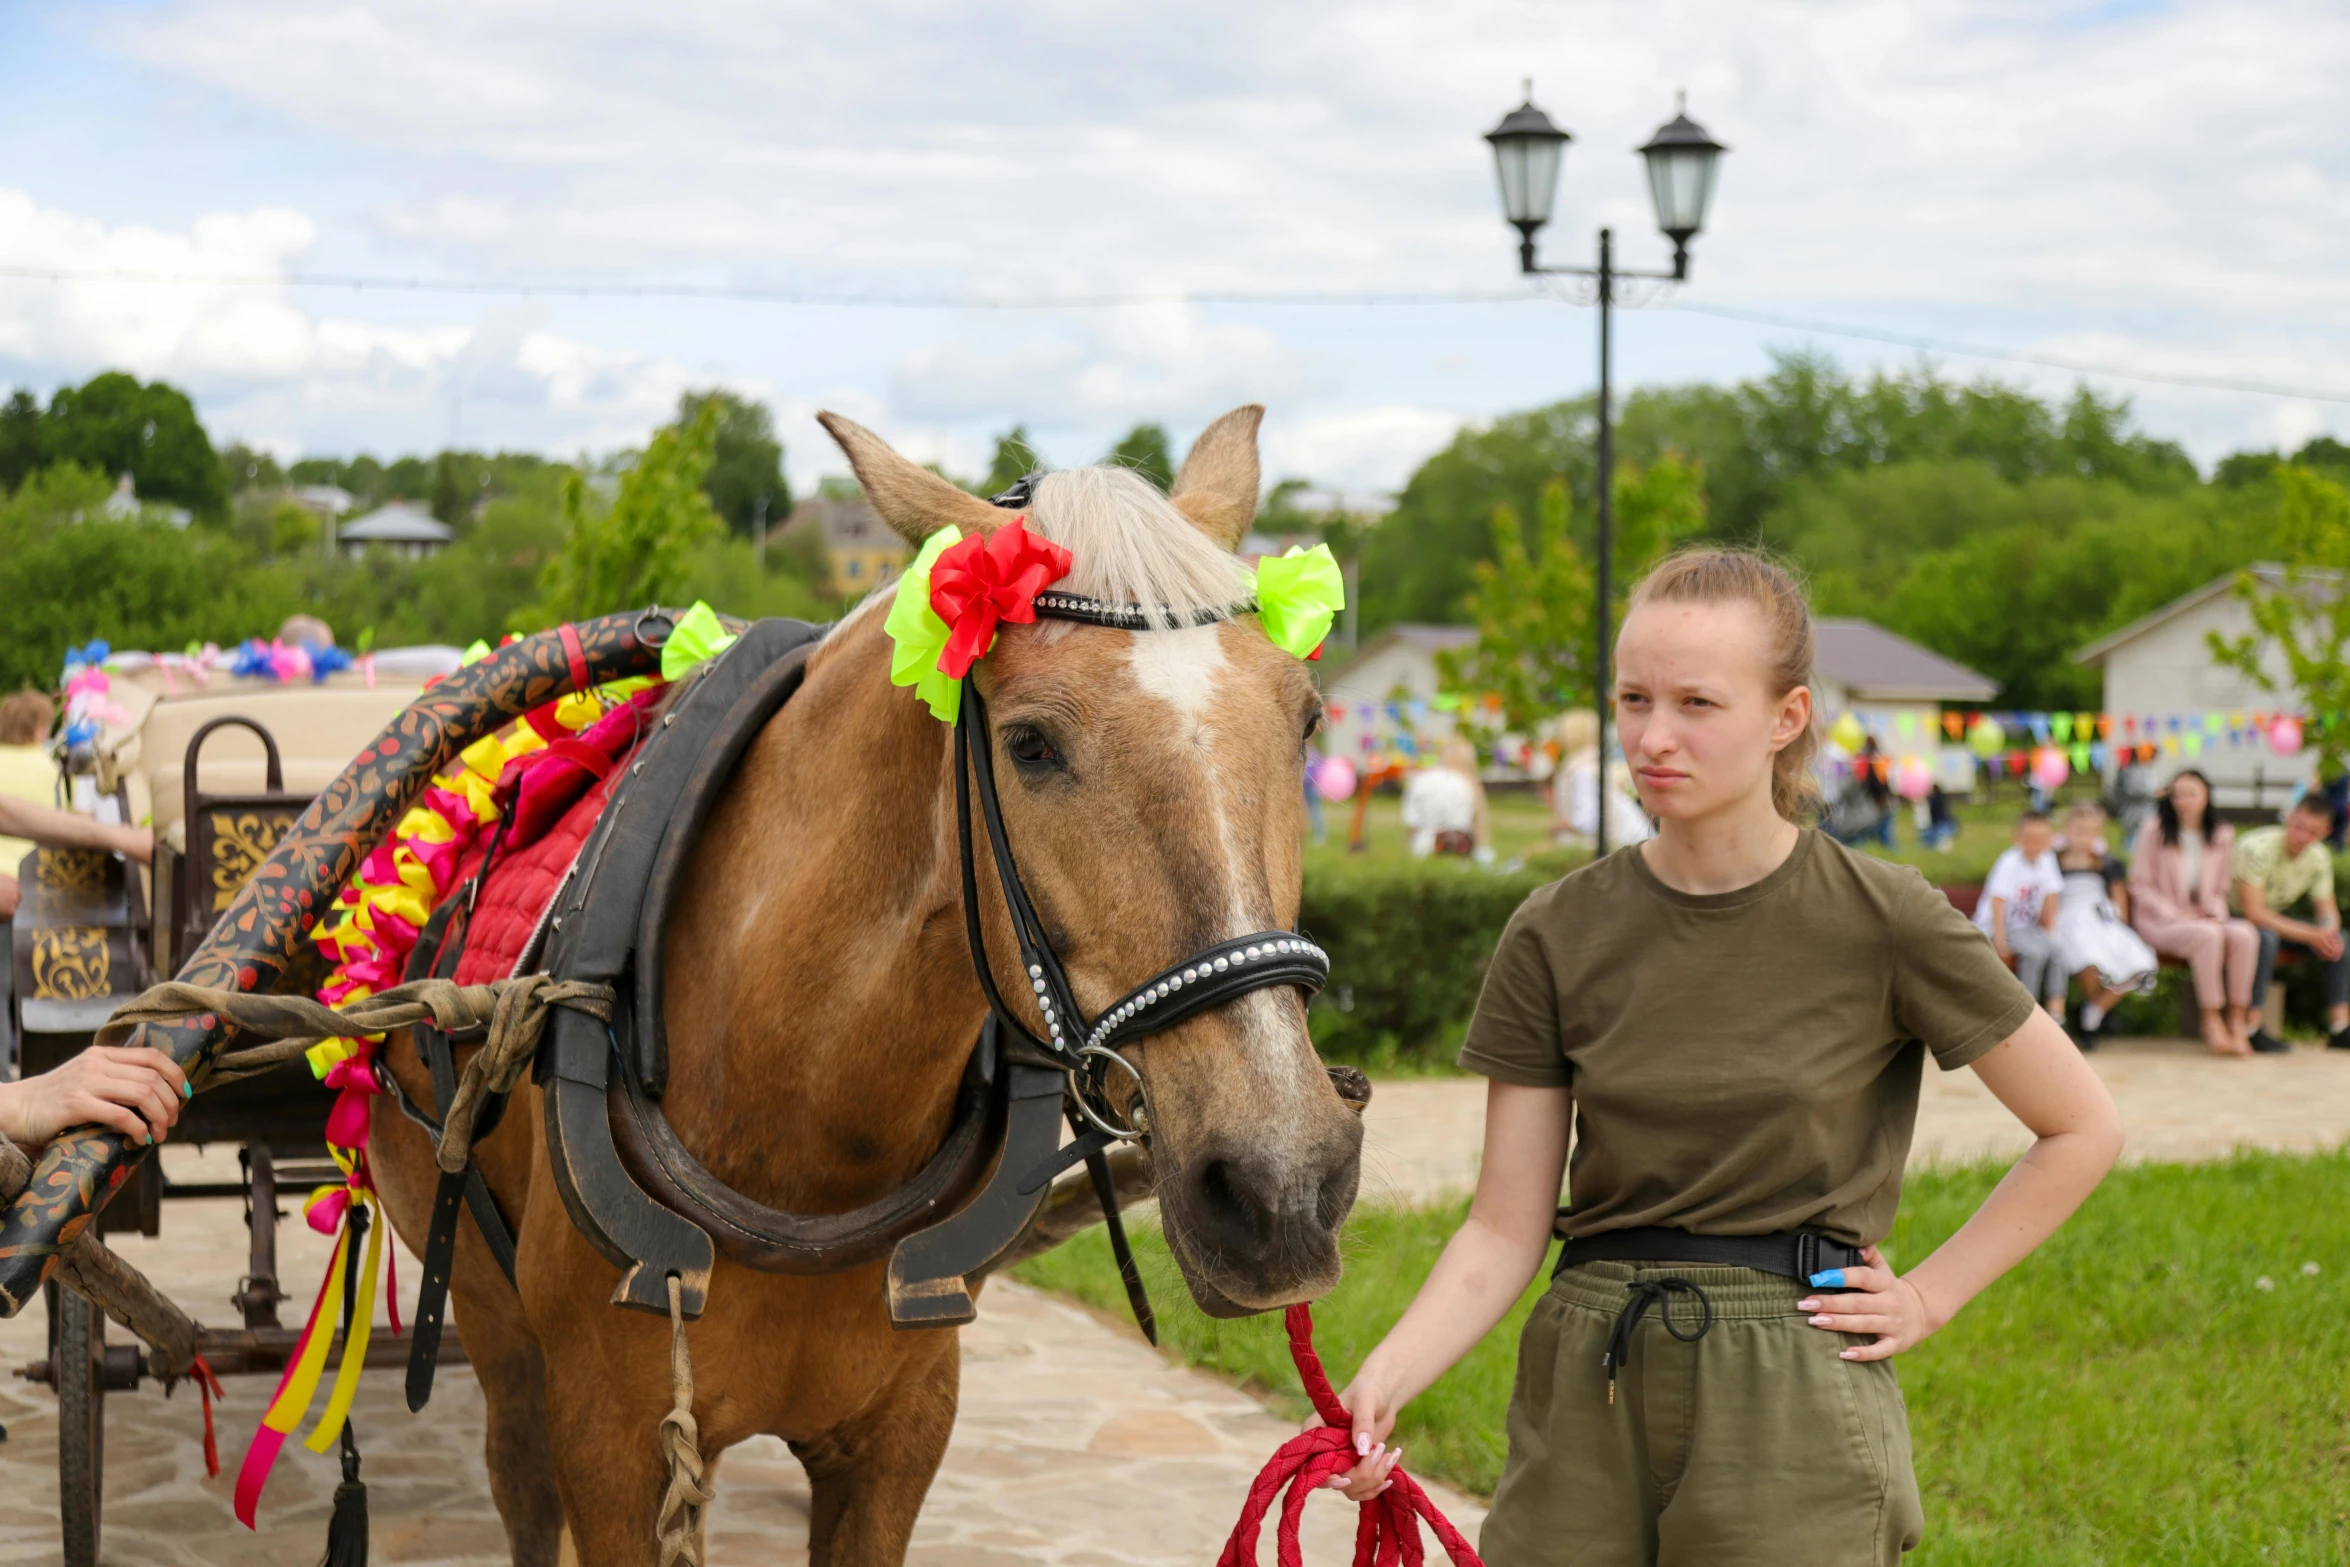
845, 522
1873, 664
398, 523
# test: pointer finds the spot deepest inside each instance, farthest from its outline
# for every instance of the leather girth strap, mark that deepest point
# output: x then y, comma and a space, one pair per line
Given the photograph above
627, 1180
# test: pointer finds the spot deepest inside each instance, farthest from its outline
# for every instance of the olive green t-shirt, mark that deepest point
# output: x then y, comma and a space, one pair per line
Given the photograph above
1742, 1062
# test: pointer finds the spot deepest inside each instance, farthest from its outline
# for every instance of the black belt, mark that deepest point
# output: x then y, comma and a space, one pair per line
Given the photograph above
1793, 1254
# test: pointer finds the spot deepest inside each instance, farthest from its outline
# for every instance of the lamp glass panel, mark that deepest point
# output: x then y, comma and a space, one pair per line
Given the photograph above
1528, 169
1681, 183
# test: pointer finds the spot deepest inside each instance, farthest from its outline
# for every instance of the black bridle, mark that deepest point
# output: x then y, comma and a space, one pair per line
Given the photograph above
1085, 1048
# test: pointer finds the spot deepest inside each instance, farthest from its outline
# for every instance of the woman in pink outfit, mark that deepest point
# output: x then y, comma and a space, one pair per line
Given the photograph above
2179, 903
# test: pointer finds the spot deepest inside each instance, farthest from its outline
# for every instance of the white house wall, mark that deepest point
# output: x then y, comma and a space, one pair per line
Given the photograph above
2169, 669
1375, 678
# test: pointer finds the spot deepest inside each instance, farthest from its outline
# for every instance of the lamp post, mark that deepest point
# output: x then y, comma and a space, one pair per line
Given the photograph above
1681, 159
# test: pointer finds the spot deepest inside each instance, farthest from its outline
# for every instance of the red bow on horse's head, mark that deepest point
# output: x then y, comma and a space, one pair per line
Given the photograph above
980, 582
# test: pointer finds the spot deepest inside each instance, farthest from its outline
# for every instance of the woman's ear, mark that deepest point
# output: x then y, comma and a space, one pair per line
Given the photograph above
1794, 717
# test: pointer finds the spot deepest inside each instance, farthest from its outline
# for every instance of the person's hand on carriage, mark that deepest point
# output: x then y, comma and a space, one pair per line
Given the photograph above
57, 829
135, 1092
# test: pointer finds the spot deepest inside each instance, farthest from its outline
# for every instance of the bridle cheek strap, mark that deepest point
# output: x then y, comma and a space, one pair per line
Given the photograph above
1072, 1044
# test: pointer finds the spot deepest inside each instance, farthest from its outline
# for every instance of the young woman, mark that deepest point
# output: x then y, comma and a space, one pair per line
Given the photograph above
2179, 872
1733, 1017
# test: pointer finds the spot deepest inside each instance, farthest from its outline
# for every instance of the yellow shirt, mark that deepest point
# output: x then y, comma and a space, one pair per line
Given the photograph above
26, 773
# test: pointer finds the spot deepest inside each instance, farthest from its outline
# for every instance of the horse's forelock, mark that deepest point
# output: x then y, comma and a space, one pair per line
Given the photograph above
1129, 545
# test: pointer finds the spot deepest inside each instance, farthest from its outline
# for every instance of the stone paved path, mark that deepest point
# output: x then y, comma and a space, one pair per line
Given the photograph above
2178, 1101
1076, 1446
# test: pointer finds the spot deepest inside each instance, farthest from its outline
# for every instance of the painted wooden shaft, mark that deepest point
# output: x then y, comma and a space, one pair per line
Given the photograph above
264, 931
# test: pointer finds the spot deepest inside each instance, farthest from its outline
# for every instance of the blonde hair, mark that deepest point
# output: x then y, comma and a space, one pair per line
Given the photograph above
1131, 546
1715, 574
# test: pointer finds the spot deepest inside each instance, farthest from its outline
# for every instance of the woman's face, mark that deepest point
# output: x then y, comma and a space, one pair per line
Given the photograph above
1694, 706
2189, 798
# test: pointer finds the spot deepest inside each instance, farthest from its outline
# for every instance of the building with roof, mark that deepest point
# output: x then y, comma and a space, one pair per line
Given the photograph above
1396, 665
402, 527
124, 505
2161, 665
1893, 686
862, 551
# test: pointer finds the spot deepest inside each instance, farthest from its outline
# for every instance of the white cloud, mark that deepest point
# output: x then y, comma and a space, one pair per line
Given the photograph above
2166, 184
1375, 448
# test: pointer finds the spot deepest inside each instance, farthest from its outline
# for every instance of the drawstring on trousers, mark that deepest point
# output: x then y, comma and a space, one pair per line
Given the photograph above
1641, 1294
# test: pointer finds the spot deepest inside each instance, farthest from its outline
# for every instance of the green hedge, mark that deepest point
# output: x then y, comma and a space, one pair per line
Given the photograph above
1408, 946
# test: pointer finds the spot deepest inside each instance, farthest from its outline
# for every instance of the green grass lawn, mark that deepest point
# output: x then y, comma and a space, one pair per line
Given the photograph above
2130, 1396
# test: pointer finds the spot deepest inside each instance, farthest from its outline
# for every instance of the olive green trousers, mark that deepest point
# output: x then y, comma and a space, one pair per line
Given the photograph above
1753, 1446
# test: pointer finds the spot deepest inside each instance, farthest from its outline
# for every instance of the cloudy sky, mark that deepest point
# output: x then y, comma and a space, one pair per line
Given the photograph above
2132, 183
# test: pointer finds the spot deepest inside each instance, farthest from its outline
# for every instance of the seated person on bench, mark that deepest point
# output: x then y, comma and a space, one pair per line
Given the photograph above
2281, 873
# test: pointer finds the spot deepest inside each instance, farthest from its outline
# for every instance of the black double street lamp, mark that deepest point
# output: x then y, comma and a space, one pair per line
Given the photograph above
1527, 151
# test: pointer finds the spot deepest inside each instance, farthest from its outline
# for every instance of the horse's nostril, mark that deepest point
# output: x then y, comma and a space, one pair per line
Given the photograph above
1225, 1203
1334, 1197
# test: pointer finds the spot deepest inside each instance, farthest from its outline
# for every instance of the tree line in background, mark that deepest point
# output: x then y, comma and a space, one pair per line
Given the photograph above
1973, 517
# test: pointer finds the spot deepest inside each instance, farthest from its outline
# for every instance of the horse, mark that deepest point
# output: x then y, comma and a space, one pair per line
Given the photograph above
821, 1002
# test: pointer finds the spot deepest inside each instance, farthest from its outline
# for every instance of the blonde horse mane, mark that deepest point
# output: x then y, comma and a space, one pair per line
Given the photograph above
1131, 546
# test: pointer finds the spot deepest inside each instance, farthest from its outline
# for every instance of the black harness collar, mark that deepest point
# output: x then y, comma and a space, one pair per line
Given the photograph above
608, 1142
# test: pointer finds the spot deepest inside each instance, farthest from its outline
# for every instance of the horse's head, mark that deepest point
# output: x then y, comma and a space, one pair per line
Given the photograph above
1151, 784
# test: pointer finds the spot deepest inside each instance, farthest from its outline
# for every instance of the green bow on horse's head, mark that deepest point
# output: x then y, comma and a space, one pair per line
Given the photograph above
1148, 708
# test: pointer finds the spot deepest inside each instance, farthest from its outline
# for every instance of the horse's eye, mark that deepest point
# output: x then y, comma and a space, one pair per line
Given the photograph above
1313, 724
1029, 748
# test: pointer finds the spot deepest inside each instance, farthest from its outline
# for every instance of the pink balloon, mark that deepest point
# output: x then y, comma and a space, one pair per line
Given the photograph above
2284, 736
2049, 767
1334, 779
1912, 778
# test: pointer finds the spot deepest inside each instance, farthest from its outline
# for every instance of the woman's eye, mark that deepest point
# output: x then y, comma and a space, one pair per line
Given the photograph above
1031, 749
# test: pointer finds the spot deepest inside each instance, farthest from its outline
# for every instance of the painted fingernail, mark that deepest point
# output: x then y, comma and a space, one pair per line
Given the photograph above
1807, 1305
187, 1089
1362, 1444
1847, 1354
1822, 1320
1828, 1279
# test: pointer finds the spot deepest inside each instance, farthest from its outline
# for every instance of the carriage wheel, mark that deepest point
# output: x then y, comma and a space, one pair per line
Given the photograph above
81, 1424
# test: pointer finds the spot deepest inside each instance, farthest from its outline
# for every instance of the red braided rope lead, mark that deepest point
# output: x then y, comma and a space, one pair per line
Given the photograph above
1387, 1533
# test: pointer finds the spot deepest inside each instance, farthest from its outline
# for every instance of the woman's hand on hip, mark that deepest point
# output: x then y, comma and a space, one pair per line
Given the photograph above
1880, 1302
1374, 1421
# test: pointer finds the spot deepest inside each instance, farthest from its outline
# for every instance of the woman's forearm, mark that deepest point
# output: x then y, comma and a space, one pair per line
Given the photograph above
2053, 1178
1475, 1282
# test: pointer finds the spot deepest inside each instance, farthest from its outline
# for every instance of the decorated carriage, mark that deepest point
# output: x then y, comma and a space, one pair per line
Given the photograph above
219, 753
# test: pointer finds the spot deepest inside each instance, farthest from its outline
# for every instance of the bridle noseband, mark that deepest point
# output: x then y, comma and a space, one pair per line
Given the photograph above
1084, 1049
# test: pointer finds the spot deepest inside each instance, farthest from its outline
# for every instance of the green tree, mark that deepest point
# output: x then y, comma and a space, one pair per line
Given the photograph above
1418, 563
20, 439
2306, 613
636, 552
69, 573
117, 424
1532, 606
242, 468
450, 503
1145, 450
1015, 459
746, 483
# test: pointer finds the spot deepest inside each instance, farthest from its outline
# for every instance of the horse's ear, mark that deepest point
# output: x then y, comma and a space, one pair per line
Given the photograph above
1217, 488
914, 501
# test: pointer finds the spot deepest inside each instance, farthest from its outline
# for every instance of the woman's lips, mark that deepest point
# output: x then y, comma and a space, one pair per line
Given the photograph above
1661, 777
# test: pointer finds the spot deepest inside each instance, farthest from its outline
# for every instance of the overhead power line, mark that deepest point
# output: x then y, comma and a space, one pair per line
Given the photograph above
775, 296
2009, 355
939, 300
